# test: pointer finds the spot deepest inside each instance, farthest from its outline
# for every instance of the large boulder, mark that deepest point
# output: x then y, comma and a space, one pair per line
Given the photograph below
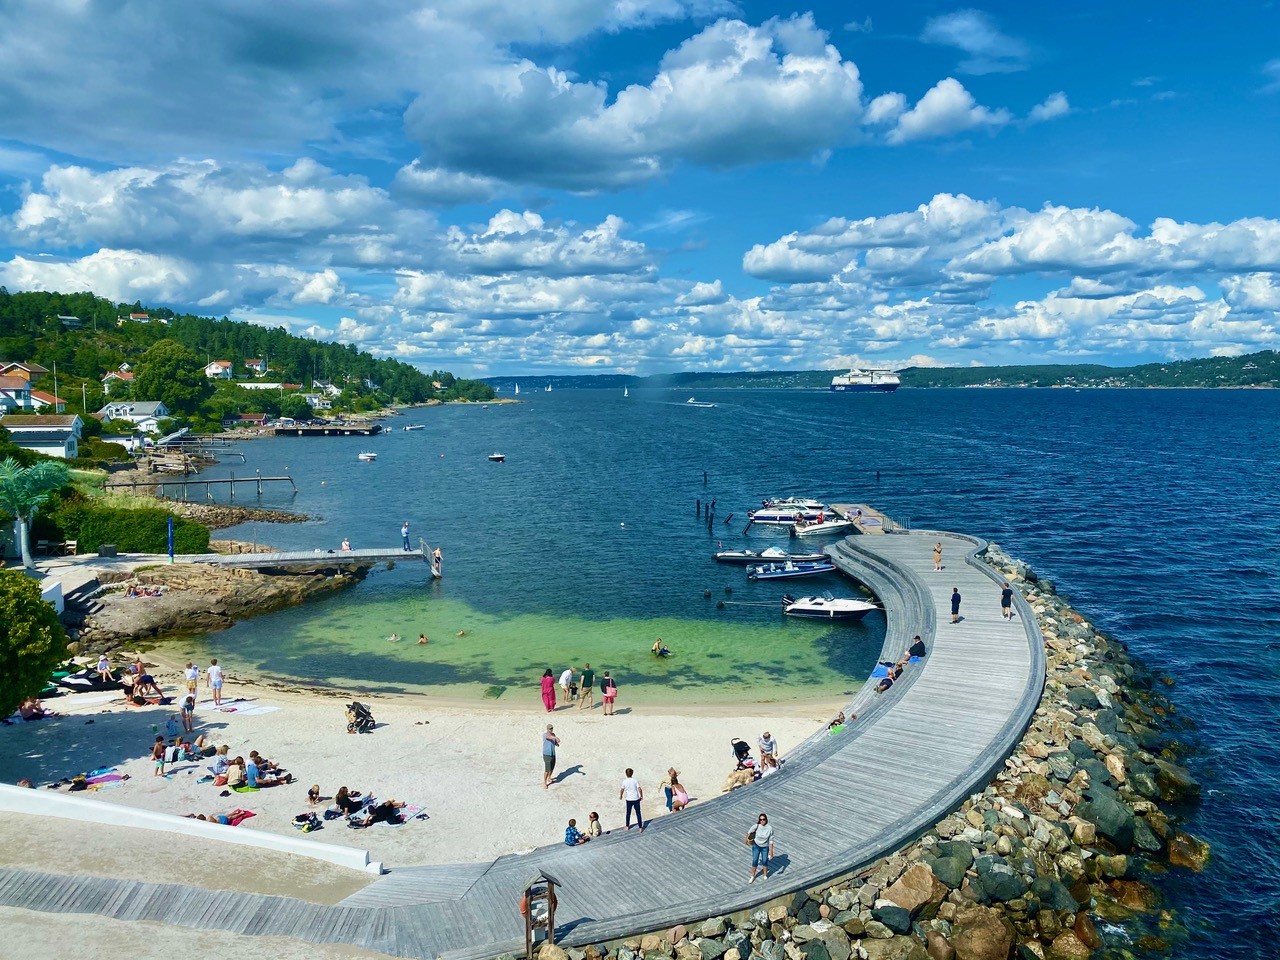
1002, 883
815, 950
981, 933
549, 951
894, 917
1053, 895
1187, 851
949, 870
1111, 817
1067, 946
938, 947
1175, 782
916, 889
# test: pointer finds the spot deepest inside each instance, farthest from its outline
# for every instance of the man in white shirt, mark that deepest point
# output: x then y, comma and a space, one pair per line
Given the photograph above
192, 674
632, 793
566, 679
214, 678
768, 746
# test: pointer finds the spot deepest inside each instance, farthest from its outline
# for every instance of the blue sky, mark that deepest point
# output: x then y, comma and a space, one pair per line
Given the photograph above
653, 185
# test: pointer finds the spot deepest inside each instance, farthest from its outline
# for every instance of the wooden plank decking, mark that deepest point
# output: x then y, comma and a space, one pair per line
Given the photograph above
309, 558
840, 803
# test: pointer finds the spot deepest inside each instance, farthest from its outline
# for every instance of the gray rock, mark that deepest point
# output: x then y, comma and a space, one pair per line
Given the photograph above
1082, 698
712, 928
958, 849
1112, 818
1002, 884
1053, 895
1144, 838
625, 954
770, 950
877, 930
711, 949
895, 918
1080, 750
949, 870
1062, 765
815, 950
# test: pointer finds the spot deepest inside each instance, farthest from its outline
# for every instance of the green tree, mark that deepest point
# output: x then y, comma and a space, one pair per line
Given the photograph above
292, 405
23, 490
171, 373
32, 642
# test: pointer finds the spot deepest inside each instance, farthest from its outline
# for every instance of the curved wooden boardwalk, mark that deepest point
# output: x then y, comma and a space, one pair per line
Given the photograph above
840, 803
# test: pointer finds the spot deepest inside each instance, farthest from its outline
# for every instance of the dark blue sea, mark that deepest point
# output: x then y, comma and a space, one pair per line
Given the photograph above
1157, 513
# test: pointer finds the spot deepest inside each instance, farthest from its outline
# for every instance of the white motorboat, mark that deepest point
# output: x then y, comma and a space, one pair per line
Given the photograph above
826, 607
691, 402
368, 456
788, 515
805, 528
415, 426
793, 502
771, 555
790, 569
498, 457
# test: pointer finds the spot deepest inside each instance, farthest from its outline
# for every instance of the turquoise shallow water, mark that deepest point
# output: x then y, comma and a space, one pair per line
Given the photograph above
1156, 512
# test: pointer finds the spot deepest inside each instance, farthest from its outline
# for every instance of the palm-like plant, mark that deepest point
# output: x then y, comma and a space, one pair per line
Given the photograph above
23, 491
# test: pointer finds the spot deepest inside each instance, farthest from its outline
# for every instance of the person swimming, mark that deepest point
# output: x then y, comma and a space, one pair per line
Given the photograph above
660, 649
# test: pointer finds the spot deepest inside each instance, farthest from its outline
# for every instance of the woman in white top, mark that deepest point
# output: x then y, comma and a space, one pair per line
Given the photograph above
760, 840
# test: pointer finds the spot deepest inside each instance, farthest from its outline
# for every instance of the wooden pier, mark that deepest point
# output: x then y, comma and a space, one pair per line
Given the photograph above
331, 430
310, 558
186, 484
840, 803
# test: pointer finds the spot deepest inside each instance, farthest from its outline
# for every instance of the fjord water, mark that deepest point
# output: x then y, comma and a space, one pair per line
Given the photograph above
1156, 512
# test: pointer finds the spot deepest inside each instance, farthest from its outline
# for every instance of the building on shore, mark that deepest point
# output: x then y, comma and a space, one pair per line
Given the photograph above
55, 435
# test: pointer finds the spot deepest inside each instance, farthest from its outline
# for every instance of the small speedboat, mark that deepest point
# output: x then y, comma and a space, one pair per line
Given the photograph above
771, 555
790, 569
498, 457
415, 426
368, 456
806, 528
786, 516
826, 607
778, 503
691, 402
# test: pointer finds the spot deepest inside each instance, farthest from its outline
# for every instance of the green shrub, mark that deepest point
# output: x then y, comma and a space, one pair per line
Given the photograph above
32, 642
144, 530
97, 449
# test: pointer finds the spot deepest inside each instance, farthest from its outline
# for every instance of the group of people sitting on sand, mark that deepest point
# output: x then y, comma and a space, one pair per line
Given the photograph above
894, 670
573, 836
243, 775
360, 809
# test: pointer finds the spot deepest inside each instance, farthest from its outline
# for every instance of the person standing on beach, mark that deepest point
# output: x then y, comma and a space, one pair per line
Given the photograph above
588, 688
768, 746
213, 677
1006, 603
632, 793
548, 690
608, 693
157, 754
937, 556
667, 790
404, 534
566, 681
760, 840
192, 674
955, 604
549, 743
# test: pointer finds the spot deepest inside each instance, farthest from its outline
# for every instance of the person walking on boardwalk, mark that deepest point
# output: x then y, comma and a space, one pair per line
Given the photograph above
213, 676
760, 840
608, 693
588, 699
1006, 602
955, 604
404, 534
937, 556
632, 793
549, 743
549, 690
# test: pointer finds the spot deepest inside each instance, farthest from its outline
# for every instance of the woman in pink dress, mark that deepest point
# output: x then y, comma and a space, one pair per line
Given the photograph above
549, 690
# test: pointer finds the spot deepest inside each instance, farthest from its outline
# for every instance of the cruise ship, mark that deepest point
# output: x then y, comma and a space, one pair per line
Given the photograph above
865, 381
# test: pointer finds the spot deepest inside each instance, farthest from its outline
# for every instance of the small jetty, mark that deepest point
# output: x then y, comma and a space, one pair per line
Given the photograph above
868, 519
186, 484
301, 559
331, 430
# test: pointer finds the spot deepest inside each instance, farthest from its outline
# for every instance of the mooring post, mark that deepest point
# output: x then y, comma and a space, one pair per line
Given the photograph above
259, 484
233, 488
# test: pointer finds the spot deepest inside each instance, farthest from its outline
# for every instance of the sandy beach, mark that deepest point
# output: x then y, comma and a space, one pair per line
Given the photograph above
475, 769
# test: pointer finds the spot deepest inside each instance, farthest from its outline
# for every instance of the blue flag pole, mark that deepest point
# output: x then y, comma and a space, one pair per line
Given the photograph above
171, 539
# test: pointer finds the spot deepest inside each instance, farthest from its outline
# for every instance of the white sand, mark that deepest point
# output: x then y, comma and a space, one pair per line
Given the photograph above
477, 769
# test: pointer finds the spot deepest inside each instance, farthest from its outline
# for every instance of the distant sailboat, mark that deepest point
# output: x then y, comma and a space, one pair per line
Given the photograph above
625, 393
517, 389
548, 388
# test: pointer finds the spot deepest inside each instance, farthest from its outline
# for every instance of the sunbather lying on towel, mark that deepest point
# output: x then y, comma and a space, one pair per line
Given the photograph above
386, 812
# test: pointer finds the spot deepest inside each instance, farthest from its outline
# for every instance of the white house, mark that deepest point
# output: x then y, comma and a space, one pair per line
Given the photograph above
327, 388
267, 385
218, 370
257, 367
144, 414
122, 375
140, 318
40, 400
318, 401
52, 434
15, 394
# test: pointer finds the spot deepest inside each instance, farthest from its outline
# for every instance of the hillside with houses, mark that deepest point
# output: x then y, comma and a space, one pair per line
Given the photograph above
78, 371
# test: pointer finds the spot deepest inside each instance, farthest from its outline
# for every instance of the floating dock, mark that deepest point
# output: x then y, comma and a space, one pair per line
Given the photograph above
868, 519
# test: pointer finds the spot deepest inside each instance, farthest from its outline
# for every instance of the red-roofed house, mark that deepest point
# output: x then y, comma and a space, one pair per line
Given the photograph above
123, 375
218, 370
257, 367
40, 400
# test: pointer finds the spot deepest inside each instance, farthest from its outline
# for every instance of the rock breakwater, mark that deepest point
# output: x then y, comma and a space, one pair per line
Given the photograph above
1062, 842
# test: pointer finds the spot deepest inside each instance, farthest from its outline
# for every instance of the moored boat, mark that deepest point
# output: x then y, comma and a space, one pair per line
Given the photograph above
833, 524
498, 457
790, 569
826, 607
786, 516
368, 456
778, 502
771, 555
415, 426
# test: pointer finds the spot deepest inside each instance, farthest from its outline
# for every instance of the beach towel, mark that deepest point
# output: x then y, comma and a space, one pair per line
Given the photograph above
256, 710
413, 811
103, 778
245, 788
109, 785
238, 817
880, 671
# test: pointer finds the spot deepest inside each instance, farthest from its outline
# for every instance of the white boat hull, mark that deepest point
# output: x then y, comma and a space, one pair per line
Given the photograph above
827, 608
828, 526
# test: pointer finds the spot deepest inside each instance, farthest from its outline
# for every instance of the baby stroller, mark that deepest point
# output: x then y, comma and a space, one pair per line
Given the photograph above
742, 753
359, 718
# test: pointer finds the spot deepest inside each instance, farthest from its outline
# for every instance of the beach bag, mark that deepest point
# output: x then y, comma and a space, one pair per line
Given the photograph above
750, 838
306, 822
220, 780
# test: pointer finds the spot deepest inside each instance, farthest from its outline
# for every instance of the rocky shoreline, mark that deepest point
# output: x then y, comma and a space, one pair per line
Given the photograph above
1063, 840
197, 598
